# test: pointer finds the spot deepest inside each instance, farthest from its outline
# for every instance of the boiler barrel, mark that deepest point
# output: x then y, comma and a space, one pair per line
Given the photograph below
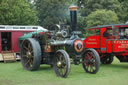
75, 46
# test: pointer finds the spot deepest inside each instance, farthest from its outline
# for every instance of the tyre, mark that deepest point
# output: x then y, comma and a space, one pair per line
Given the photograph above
91, 61
61, 63
107, 59
30, 54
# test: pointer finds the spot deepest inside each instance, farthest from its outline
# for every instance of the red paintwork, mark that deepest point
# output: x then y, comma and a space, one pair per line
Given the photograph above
15, 36
111, 44
92, 42
102, 40
14, 39
120, 46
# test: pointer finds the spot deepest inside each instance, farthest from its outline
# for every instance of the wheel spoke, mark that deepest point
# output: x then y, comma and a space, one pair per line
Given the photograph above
31, 63
31, 60
92, 69
63, 60
31, 52
89, 68
29, 47
27, 62
25, 48
87, 55
61, 57
65, 68
86, 60
57, 59
61, 71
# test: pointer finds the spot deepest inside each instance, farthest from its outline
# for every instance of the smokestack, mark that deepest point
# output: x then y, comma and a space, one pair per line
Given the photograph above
73, 14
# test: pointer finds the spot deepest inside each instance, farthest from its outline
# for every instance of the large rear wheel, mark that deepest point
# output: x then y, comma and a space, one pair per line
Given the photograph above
61, 63
30, 54
91, 61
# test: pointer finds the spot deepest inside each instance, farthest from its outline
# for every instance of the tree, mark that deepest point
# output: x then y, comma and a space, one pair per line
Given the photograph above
17, 12
88, 6
101, 17
51, 12
124, 10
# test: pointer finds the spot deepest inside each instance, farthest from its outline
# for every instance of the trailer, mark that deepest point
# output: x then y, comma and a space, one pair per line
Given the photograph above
9, 35
109, 41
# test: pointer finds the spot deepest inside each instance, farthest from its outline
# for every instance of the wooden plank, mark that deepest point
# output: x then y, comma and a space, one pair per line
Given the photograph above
8, 56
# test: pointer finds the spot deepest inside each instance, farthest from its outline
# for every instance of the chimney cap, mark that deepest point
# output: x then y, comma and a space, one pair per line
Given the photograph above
73, 8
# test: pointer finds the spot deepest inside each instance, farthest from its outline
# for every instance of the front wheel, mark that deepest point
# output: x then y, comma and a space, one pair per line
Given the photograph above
91, 61
107, 59
61, 63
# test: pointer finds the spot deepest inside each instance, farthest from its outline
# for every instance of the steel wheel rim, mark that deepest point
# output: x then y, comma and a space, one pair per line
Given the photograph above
90, 62
62, 68
27, 54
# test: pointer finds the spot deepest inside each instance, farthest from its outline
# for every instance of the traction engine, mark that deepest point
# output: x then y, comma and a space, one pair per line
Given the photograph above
57, 48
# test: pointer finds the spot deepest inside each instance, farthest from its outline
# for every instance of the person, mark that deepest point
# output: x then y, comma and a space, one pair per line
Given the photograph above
4, 44
122, 33
126, 35
106, 34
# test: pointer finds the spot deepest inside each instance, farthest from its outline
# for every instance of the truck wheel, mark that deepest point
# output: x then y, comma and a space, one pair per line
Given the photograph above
91, 61
30, 54
61, 63
108, 59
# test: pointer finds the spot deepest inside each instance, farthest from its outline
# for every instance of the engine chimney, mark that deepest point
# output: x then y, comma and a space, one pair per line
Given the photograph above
73, 14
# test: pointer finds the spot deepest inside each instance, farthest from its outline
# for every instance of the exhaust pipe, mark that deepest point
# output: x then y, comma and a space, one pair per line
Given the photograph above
73, 14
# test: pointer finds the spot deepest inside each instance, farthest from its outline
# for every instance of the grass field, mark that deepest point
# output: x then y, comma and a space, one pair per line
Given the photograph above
114, 74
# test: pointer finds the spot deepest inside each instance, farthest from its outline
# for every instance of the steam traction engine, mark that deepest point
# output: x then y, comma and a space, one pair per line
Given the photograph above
56, 49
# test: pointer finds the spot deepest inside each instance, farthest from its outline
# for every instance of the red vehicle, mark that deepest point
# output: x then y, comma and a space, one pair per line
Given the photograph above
109, 41
9, 35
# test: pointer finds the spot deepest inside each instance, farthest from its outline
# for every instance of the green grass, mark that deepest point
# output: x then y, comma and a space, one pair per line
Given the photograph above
14, 74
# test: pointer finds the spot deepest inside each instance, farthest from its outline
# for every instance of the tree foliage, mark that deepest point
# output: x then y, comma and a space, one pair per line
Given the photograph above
17, 12
124, 10
88, 6
101, 17
51, 12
